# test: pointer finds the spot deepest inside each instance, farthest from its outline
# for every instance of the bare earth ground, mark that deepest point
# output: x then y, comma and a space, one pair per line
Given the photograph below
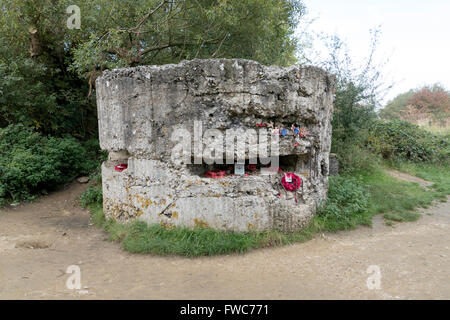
38, 241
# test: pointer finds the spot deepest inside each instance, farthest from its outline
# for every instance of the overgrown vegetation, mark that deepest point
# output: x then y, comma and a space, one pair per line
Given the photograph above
403, 141
48, 122
93, 194
353, 200
395, 144
430, 105
32, 164
47, 70
365, 146
347, 204
138, 237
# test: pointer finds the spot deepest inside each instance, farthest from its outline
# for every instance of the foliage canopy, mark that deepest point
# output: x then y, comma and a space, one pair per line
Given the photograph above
47, 70
429, 101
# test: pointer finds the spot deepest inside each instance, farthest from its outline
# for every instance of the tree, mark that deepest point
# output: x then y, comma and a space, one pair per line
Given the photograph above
359, 87
429, 102
37, 87
394, 107
50, 70
159, 32
431, 99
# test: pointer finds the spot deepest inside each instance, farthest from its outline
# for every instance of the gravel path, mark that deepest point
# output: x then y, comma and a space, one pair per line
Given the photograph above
39, 241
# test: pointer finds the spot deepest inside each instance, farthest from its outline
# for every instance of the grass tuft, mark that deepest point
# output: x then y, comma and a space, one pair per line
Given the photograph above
138, 237
353, 200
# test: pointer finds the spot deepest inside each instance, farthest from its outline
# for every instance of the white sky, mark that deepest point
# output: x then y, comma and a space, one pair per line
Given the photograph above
414, 36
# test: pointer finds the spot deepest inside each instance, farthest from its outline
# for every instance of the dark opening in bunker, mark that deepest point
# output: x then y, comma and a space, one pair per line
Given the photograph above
287, 163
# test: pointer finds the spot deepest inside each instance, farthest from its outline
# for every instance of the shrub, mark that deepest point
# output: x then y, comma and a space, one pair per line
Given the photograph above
354, 157
346, 206
31, 164
92, 195
400, 140
94, 157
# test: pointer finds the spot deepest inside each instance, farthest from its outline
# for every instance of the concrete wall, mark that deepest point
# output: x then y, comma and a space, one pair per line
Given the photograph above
333, 164
139, 109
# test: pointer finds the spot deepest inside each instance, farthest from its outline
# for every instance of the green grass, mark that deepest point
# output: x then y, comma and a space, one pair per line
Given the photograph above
346, 206
138, 237
396, 199
383, 194
439, 174
353, 200
436, 129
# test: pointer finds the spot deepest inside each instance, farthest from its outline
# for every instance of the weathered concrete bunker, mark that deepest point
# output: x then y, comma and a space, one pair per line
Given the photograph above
140, 110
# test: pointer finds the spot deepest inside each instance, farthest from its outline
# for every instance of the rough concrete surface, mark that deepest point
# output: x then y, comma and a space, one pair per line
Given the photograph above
334, 164
40, 240
140, 109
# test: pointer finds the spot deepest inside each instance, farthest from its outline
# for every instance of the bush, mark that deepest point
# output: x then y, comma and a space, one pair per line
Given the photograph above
346, 206
95, 158
31, 164
352, 112
400, 140
92, 195
354, 157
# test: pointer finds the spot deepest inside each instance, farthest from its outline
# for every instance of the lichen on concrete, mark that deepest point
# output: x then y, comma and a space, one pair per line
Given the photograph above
139, 108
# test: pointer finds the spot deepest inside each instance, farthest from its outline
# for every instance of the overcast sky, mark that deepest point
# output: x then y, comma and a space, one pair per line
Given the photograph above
415, 35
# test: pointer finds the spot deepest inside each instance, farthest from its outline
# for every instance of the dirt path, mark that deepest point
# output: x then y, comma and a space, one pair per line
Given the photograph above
39, 241
407, 177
